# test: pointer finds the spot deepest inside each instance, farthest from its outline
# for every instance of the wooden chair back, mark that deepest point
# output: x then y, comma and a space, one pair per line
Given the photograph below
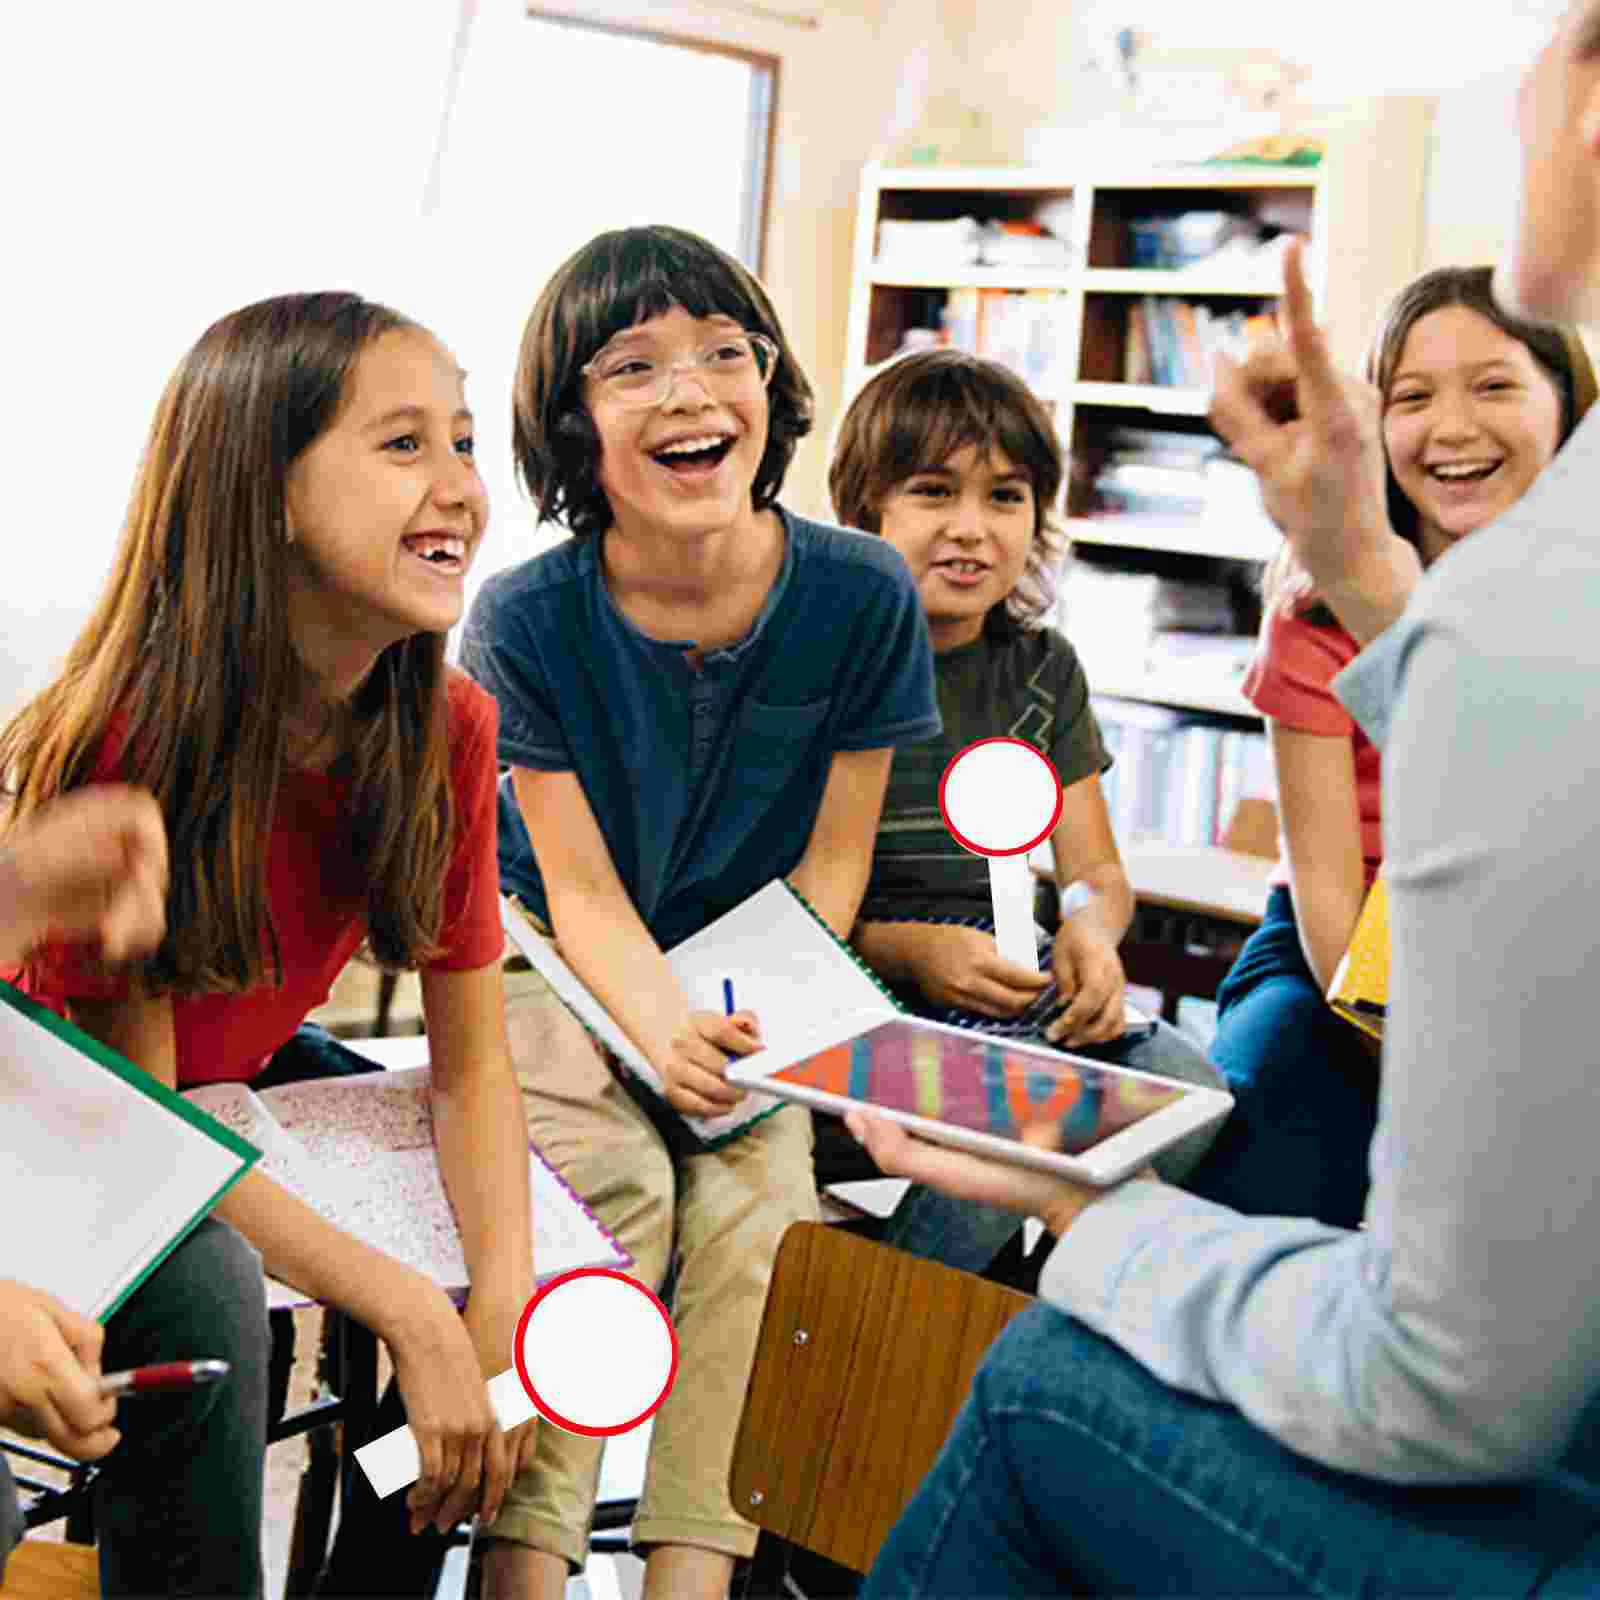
864, 1358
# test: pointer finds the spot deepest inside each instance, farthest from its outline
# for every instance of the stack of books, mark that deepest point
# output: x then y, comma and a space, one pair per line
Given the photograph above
1026, 330
1177, 777
1170, 342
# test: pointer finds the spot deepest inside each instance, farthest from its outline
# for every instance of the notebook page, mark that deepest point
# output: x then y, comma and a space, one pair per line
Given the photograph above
570, 989
786, 968
105, 1176
376, 1131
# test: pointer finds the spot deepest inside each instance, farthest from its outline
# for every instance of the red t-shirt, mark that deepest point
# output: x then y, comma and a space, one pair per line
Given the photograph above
1290, 681
319, 908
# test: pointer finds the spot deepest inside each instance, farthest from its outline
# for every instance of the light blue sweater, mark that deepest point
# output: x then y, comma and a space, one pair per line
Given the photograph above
1457, 1338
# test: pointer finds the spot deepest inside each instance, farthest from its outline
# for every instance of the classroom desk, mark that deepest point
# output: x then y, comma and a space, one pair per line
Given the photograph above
1194, 906
1204, 880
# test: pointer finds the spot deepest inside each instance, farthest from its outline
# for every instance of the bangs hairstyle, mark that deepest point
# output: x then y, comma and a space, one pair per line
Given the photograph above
615, 282
188, 658
1558, 351
918, 412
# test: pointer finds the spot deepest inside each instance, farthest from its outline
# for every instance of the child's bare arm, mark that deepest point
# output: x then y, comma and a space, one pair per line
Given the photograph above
833, 872
606, 943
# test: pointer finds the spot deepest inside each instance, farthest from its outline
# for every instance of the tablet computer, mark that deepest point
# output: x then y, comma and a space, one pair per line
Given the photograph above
1021, 1102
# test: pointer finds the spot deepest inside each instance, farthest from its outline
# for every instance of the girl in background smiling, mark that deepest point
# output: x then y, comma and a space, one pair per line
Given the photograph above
1475, 404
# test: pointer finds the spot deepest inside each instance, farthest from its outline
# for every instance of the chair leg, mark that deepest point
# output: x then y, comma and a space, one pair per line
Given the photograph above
80, 1517
313, 1506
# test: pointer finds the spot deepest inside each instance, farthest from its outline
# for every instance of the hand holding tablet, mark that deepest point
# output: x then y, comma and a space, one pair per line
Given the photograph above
1024, 1103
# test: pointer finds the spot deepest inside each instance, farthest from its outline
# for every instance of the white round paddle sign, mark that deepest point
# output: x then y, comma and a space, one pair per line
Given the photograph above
596, 1352
1000, 798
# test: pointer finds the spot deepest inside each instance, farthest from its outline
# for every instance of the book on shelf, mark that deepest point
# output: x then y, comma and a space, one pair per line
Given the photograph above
107, 1170
359, 1151
1360, 988
1170, 342
949, 245
1175, 776
1023, 329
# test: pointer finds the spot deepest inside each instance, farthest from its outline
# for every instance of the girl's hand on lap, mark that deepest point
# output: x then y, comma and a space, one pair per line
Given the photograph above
1089, 974
695, 1070
955, 966
491, 1320
447, 1407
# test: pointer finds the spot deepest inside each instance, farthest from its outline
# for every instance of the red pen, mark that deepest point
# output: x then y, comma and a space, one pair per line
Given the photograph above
169, 1375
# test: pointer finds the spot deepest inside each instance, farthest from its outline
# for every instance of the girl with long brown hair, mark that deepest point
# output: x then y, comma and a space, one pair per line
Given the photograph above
267, 659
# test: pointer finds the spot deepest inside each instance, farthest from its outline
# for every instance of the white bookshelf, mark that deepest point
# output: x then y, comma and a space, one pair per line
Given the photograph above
1360, 208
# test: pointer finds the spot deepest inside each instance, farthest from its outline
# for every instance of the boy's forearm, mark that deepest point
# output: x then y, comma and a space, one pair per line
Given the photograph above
889, 948
607, 945
1107, 902
834, 887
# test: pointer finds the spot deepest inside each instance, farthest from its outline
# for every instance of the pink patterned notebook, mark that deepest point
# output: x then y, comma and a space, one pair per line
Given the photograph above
359, 1151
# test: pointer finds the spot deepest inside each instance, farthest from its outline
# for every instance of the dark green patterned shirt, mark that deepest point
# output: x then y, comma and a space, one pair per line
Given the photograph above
1026, 685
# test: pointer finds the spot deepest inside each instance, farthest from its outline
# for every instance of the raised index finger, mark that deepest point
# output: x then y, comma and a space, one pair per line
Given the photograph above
1317, 381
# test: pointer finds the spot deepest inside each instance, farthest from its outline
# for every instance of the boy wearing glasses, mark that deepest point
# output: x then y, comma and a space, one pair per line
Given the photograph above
699, 692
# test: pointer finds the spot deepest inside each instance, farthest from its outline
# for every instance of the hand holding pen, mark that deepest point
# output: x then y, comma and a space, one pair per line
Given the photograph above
165, 1378
694, 1073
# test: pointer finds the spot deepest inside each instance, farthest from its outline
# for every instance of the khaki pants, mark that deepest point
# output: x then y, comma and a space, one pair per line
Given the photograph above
728, 1209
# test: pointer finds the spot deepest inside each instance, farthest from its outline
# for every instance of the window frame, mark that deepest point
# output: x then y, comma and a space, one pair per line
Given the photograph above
755, 200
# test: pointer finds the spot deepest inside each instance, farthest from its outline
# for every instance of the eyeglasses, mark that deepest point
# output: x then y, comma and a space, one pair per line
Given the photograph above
638, 379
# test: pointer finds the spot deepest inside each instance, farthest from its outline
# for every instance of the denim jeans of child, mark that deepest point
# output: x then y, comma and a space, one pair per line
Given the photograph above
1305, 1090
965, 1234
1072, 1470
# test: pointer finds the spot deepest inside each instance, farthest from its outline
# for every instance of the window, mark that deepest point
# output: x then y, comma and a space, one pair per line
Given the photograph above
665, 132
262, 149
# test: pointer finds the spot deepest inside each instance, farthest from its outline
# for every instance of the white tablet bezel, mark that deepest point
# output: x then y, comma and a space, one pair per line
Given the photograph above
1106, 1163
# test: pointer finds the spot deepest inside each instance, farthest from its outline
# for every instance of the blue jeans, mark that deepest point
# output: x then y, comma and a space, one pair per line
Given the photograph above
1072, 1470
1305, 1090
965, 1234
178, 1502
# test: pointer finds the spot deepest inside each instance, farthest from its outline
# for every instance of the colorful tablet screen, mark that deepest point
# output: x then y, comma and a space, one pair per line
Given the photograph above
988, 1085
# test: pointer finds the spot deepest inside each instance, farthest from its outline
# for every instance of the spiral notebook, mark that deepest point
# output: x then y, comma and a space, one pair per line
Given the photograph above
785, 964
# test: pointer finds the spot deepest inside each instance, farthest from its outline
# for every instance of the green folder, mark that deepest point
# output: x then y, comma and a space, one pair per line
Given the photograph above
126, 1152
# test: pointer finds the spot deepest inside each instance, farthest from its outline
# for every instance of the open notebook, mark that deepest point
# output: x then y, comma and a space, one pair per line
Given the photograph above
106, 1170
359, 1151
809, 990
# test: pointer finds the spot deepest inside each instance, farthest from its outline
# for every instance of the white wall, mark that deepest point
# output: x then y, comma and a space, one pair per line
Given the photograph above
1472, 172
174, 159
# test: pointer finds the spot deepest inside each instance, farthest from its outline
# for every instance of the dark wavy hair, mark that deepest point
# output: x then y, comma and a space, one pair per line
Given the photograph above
1558, 351
188, 656
919, 411
614, 282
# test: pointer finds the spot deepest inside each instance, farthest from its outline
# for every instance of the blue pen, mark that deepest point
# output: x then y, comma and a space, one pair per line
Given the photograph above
727, 995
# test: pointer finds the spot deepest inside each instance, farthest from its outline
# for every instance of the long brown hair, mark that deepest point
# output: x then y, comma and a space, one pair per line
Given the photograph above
918, 412
1560, 355
187, 657
615, 281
